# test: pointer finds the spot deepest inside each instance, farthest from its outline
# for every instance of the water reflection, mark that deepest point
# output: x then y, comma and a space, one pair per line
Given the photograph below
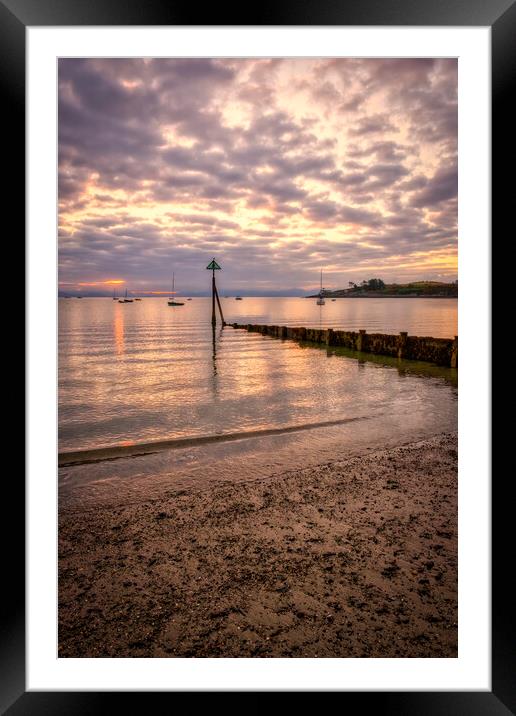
118, 327
175, 376
216, 338
418, 316
403, 367
320, 317
214, 349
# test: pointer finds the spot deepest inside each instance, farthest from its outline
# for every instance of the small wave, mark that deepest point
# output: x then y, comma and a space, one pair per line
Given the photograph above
114, 452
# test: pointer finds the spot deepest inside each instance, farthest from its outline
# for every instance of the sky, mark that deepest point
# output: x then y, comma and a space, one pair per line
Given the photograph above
278, 168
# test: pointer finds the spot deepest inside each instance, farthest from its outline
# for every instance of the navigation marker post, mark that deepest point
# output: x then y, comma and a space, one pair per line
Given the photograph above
213, 266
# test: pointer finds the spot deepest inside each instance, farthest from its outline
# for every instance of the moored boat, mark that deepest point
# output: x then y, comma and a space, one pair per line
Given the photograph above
172, 301
320, 300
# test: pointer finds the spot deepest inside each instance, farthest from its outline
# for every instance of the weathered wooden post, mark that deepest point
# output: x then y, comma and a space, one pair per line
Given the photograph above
213, 266
455, 353
360, 339
329, 336
220, 307
402, 342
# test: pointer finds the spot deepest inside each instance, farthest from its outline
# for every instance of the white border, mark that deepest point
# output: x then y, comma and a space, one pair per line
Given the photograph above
471, 670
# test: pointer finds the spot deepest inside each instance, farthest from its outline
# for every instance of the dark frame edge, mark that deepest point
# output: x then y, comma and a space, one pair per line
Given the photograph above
503, 59
502, 699
12, 617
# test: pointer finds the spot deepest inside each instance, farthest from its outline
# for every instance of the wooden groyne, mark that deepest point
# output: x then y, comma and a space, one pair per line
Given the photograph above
440, 351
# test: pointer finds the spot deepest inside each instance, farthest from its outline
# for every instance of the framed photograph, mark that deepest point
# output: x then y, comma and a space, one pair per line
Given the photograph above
253, 461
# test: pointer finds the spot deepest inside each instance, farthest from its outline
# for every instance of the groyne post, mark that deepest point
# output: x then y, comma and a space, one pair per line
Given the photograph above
441, 351
218, 304
455, 353
213, 318
402, 343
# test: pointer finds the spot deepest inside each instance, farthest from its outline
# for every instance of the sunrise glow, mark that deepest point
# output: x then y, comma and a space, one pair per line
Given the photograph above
277, 167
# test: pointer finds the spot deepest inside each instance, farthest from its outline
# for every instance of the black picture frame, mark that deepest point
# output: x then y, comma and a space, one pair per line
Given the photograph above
500, 16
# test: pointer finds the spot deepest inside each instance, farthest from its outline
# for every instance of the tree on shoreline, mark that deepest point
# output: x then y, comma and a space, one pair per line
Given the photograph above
374, 284
377, 287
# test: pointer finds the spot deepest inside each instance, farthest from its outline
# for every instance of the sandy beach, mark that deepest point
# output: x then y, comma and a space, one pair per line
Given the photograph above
354, 558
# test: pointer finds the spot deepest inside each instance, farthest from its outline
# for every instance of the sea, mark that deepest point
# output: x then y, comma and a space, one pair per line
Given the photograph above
132, 373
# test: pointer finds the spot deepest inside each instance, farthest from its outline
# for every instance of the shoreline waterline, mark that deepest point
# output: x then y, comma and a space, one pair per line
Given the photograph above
113, 452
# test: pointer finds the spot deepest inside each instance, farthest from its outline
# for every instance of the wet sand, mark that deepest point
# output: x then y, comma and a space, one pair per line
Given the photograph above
354, 558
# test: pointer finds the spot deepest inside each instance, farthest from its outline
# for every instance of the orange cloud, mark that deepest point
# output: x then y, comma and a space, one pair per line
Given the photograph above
109, 282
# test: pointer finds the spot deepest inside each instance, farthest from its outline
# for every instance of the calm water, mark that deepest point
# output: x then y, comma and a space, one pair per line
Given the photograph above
147, 371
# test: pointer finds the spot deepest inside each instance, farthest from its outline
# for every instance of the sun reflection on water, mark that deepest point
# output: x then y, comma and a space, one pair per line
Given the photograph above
174, 377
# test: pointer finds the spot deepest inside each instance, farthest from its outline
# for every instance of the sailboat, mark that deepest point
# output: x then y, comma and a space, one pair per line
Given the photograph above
320, 300
171, 300
114, 295
125, 299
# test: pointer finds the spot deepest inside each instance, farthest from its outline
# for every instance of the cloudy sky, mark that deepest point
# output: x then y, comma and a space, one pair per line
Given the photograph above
278, 168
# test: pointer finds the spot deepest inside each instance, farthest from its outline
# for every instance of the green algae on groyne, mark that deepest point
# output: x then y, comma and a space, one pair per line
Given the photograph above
440, 351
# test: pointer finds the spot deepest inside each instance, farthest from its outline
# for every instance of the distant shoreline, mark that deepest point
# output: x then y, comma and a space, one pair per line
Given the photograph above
286, 296
377, 296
